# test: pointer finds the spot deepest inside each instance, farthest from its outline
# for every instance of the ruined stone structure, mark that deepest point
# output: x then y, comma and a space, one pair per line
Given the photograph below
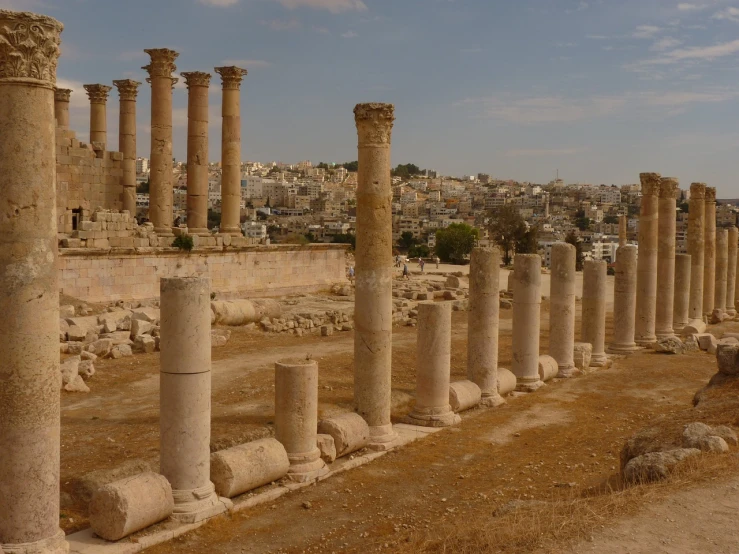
61, 106
562, 308
128, 90
98, 95
668, 190
594, 309
696, 247
374, 302
197, 152
646, 273
709, 262
624, 301
526, 321
681, 301
731, 272
29, 396
622, 223
721, 269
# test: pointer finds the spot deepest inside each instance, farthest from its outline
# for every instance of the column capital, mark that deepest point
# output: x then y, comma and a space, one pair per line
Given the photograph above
127, 88
30, 47
231, 76
374, 123
698, 191
98, 94
62, 94
162, 62
710, 194
196, 79
649, 184
669, 187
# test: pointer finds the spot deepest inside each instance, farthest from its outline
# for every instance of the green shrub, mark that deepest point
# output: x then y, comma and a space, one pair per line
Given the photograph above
183, 242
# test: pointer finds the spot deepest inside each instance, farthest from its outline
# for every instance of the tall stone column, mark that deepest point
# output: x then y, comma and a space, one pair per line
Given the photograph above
722, 267
622, 230
594, 280
696, 247
197, 152
61, 106
731, 272
231, 150
624, 301
127, 90
483, 323
526, 321
161, 193
29, 351
184, 396
667, 225
709, 262
373, 321
646, 272
681, 304
98, 95
562, 308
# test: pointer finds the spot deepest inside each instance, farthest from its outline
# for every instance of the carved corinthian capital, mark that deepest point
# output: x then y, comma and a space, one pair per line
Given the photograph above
710, 194
196, 79
128, 89
62, 94
162, 62
374, 123
98, 94
649, 184
231, 76
29, 47
698, 191
668, 188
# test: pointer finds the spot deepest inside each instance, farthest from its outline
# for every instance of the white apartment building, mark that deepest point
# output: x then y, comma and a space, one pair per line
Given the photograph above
142, 165
254, 230
142, 200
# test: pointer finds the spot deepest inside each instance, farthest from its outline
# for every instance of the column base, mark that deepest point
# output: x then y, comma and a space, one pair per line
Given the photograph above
732, 313
665, 334
53, 545
199, 504
599, 360
623, 349
528, 385
433, 417
679, 326
383, 438
718, 316
565, 372
306, 467
645, 341
199, 232
163, 231
490, 400
231, 231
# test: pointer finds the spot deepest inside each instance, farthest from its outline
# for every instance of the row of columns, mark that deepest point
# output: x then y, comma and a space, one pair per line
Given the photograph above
161, 195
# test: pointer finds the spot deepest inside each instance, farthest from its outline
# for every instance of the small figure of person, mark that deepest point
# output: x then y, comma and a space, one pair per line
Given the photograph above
422, 264
351, 273
437, 260
405, 271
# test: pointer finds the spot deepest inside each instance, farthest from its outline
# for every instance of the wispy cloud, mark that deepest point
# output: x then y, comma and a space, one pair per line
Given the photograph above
687, 7
729, 14
349, 34
247, 64
539, 152
665, 43
281, 24
645, 31
219, 3
333, 6
78, 98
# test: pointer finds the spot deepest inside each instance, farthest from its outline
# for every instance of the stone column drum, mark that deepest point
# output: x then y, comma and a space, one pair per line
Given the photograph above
161, 193
29, 351
731, 272
61, 106
722, 266
668, 191
373, 322
622, 230
184, 392
646, 272
696, 247
562, 308
197, 152
709, 262
526, 321
98, 95
681, 303
594, 280
127, 90
433, 366
624, 301
231, 150
483, 322
296, 417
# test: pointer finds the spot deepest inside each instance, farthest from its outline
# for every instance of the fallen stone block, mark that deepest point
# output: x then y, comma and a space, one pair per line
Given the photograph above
727, 357
706, 341
140, 327
66, 311
63, 328
75, 348
506, 381
327, 446
583, 352
247, 466
77, 384
86, 369
655, 466
548, 368
690, 344
84, 487
464, 395
145, 344
69, 369
76, 334
694, 327
100, 347
449, 295
452, 282
129, 505
668, 345
118, 337
219, 337
701, 436
86, 323
327, 330
350, 432
146, 314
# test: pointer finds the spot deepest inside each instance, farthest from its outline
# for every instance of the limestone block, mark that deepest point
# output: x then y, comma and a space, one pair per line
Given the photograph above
506, 381
247, 466
701, 436
86, 369
707, 342
75, 348
87, 323
327, 330
655, 466
668, 345
583, 352
694, 327
690, 343
327, 446
151, 315
66, 311
76, 334
118, 337
464, 395
144, 343
121, 351
100, 347
349, 431
69, 369
548, 368
63, 328
129, 505
219, 337
452, 282
140, 327
727, 357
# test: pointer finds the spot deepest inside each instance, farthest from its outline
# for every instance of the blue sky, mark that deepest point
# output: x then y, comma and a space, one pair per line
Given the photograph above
599, 89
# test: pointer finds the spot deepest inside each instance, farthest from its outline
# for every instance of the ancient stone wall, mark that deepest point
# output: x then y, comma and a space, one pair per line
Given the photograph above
128, 274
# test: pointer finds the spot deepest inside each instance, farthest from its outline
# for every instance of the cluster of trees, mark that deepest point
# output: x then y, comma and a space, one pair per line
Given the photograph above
406, 171
508, 229
414, 246
582, 222
455, 243
573, 239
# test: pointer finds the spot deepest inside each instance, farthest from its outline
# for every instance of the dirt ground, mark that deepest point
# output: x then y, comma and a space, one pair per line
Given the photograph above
539, 472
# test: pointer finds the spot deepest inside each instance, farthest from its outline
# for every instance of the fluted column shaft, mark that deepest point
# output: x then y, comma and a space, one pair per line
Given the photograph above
127, 90
722, 267
594, 281
696, 247
709, 262
562, 308
622, 230
526, 321
98, 95
646, 272
666, 257
731, 272
61, 106
681, 303
624, 301
197, 152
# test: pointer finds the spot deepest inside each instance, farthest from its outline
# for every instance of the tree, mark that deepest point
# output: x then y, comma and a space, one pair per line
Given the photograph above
406, 170
455, 242
506, 228
322, 165
575, 241
528, 242
407, 240
351, 166
582, 222
611, 219
143, 188
419, 251
346, 238
684, 207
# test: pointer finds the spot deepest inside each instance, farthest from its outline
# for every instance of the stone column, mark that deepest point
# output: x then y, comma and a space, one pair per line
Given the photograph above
61, 106
646, 272
184, 393
526, 321
197, 152
161, 193
29, 351
231, 150
668, 192
98, 95
622, 230
482, 323
433, 366
722, 266
624, 301
562, 308
681, 304
709, 262
696, 248
594, 279
127, 90
373, 321
296, 417
731, 272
